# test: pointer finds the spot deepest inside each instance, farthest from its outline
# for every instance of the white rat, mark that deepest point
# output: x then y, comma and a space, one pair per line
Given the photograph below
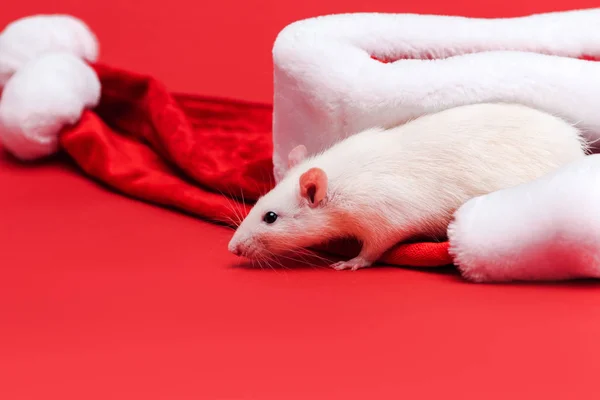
383, 187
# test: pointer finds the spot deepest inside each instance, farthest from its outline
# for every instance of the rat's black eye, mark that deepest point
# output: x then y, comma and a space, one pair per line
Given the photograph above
270, 217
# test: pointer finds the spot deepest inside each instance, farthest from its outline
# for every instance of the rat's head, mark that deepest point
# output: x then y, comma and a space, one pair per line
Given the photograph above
294, 214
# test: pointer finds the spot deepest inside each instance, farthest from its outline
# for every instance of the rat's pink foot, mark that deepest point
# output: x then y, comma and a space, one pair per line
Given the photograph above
354, 264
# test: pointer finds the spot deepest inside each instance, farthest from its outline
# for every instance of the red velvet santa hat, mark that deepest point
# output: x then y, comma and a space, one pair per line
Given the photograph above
338, 75
125, 129
187, 152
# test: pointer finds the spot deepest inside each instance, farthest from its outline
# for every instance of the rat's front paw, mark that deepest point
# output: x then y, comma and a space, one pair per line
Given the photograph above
354, 264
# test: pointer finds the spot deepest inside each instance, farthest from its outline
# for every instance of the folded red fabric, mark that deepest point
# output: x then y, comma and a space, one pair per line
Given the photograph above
205, 156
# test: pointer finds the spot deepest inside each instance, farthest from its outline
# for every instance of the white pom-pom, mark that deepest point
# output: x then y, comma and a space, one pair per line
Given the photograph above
548, 229
31, 37
44, 96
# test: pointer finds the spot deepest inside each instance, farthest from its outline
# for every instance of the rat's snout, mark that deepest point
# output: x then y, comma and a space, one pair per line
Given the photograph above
234, 247
237, 246
241, 245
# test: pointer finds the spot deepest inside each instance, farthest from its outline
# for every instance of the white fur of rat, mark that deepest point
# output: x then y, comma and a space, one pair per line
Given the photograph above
386, 186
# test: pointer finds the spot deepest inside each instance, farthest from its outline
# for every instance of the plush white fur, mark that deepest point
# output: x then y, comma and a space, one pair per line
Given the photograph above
327, 87
45, 84
28, 38
40, 99
548, 229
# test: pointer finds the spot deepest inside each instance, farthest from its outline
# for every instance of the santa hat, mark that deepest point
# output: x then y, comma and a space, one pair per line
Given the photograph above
45, 81
337, 75
334, 76
192, 153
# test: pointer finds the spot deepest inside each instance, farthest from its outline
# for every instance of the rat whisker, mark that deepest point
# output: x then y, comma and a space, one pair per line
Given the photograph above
268, 261
274, 260
314, 259
299, 254
241, 211
260, 263
274, 257
231, 221
237, 208
304, 251
232, 208
243, 200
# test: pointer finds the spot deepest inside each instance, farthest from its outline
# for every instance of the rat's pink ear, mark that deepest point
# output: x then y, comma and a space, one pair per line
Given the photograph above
297, 155
313, 186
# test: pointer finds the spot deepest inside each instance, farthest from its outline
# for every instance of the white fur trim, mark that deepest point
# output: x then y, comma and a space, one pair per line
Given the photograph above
327, 87
28, 38
548, 229
45, 95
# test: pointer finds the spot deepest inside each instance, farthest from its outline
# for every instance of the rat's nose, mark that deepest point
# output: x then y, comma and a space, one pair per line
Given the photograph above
234, 248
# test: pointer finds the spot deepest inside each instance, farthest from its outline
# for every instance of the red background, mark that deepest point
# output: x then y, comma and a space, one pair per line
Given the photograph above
103, 297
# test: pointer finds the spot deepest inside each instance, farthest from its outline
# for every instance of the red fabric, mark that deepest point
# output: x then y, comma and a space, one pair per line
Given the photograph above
205, 156
177, 151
